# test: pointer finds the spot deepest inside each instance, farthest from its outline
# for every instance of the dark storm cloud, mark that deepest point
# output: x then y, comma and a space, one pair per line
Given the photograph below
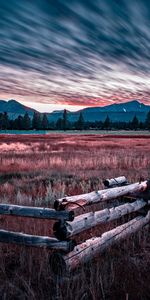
75, 50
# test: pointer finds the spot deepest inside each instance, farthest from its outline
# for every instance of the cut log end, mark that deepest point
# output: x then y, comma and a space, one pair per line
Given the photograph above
113, 182
71, 215
106, 183
60, 231
57, 264
59, 205
148, 185
71, 245
56, 205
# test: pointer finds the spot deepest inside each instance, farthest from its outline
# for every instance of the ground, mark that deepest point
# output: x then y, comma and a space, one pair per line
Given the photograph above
36, 170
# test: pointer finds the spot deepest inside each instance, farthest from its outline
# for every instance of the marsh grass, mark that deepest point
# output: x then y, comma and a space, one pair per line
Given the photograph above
36, 170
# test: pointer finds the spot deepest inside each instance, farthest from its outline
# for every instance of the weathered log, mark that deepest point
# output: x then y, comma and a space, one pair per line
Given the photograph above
35, 212
86, 221
84, 252
35, 241
115, 181
73, 202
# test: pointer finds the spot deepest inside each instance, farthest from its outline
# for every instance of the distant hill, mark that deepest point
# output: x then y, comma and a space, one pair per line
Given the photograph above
116, 112
15, 108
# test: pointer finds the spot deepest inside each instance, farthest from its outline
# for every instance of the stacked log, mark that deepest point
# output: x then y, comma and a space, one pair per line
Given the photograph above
35, 212
84, 252
35, 241
91, 219
71, 256
115, 181
73, 202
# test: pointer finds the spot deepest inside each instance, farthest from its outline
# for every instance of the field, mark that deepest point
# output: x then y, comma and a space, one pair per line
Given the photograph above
36, 170
80, 132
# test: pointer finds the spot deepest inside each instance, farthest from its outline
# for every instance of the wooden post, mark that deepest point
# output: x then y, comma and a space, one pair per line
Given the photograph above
91, 219
73, 202
35, 241
35, 212
115, 181
86, 251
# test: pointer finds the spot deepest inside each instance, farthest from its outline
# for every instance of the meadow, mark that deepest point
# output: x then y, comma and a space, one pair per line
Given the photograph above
36, 170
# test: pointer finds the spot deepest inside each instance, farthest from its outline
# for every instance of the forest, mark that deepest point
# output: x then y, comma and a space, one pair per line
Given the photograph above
40, 121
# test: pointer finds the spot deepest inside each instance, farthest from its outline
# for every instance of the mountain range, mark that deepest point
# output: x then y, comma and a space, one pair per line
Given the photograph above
15, 108
116, 112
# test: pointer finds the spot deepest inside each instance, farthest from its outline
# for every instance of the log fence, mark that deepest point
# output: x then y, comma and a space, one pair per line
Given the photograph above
35, 212
83, 200
92, 219
68, 256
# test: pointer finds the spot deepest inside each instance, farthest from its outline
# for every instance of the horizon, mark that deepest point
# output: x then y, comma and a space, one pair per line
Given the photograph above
67, 108
74, 54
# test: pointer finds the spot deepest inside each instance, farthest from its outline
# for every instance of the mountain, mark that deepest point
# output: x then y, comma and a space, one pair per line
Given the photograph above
15, 108
116, 112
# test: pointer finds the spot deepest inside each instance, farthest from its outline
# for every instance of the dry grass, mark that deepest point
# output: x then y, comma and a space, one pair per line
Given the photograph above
35, 170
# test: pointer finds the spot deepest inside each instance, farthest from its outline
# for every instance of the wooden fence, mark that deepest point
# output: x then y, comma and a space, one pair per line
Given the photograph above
68, 255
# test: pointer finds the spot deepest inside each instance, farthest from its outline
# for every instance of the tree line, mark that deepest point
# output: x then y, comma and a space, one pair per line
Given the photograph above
40, 122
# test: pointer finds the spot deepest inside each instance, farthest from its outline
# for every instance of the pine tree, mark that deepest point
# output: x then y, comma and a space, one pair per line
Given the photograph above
36, 121
135, 123
59, 124
44, 123
147, 121
107, 123
80, 122
1, 120
5, 121
65, 121
18, 123
26, 122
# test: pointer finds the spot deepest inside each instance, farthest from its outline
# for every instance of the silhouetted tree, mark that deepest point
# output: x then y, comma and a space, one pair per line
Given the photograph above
141, 125
5, 121
80, 122
36, 121
44, 123
26, 122
135, 123
65, 120
1, 120
147, 121
106, 124
18, 123
59, 124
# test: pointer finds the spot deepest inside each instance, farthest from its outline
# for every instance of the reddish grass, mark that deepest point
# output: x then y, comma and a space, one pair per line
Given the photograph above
35, 170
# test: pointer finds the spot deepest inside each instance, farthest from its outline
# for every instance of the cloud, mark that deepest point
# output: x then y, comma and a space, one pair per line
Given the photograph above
75, 52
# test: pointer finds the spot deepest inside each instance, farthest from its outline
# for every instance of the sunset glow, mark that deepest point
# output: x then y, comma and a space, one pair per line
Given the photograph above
74, 54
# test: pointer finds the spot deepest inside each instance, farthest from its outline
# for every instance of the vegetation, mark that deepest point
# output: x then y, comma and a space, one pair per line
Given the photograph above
37, 169
40, 121
147, 122
79, 125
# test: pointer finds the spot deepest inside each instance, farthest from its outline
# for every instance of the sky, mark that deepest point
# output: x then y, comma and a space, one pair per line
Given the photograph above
57, 54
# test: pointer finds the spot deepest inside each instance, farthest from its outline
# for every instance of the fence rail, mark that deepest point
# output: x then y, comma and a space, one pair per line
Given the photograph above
86, 251
91, 219
35, 212
35, 241
69, 255
73, 202
119, 181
